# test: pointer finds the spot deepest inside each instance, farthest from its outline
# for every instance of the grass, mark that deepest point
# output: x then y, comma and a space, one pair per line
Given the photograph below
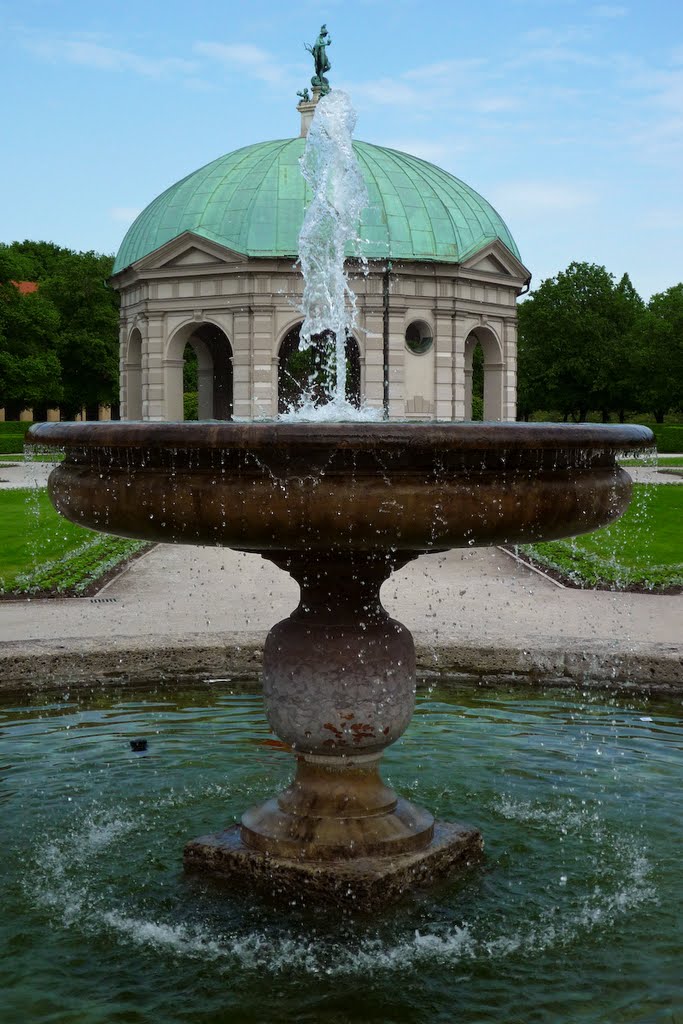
642, 550
48, 456
661, 463
43, 553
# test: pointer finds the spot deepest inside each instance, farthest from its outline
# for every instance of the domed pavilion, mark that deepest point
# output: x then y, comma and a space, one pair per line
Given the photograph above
211, 263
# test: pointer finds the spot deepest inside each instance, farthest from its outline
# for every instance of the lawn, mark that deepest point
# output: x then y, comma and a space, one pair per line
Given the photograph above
16, 460
42, 553
642, 550
659, 463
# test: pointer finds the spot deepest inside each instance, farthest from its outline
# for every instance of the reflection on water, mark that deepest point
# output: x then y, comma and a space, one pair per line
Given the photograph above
572, 916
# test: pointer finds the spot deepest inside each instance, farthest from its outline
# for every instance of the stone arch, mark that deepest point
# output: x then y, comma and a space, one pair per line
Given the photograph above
494, 368
133, 370
291, 380
214, 371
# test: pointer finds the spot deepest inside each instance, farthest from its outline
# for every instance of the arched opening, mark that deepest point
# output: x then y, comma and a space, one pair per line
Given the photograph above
483, 376
134, 376
308, 374
199, 376
477, 412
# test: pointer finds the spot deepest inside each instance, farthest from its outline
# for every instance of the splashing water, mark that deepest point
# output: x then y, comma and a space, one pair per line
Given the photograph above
578, 893
331, 169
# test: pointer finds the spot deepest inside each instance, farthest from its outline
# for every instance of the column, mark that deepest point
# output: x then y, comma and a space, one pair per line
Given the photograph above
372, 386
462, 384
510, 370
444, 371
123, 375
264, 363
157, 378
397, 348
242, 365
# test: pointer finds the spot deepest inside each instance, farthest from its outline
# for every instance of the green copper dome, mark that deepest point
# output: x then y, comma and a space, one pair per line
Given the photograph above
253, 200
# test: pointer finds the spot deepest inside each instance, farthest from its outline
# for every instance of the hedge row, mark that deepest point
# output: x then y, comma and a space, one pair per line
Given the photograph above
13, 427
669, 437
11, 444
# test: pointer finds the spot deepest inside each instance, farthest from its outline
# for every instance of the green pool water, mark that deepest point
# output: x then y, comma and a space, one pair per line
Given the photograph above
574, 916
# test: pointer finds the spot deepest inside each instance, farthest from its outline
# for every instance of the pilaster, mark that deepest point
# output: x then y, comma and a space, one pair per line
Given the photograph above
510, 371
263, 365
242, 365
445, 365
397, 348
156, 371
462, 409
372, 387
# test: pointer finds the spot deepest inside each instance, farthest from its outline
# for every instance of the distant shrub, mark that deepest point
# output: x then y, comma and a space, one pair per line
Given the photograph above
11, 444
191, 405
13, 427
669, 437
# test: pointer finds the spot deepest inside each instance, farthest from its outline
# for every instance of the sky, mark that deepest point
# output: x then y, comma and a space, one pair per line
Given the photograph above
566, 115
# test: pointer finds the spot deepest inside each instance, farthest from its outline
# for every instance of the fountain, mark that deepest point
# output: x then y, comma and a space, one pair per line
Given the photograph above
340, 506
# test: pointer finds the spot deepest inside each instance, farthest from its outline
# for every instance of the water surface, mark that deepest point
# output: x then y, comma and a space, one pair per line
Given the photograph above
573, 917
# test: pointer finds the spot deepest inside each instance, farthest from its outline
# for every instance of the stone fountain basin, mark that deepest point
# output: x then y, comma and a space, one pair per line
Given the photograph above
354, 486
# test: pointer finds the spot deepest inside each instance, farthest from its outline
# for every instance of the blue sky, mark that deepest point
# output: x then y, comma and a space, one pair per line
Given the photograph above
567, 116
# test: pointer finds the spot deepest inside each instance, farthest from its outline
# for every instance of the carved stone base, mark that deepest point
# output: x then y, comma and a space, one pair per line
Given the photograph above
362, 884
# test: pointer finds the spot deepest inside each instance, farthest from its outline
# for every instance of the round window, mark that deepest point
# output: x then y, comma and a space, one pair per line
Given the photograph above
419, 337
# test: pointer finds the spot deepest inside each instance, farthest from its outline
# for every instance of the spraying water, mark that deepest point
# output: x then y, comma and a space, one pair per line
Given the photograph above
331, 169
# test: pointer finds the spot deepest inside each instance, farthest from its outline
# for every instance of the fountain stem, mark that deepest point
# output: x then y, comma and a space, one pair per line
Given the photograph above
339, 687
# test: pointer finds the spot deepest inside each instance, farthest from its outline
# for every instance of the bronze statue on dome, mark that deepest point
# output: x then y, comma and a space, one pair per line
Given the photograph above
320, 58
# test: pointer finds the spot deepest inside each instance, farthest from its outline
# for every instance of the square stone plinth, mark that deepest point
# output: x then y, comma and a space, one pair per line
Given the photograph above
365, 883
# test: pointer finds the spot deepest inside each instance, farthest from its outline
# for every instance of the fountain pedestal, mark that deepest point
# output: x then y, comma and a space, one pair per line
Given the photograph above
339, 687
339, 506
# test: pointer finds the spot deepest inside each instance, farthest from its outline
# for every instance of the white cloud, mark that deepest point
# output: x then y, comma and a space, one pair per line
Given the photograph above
609, 11
388, 92
495, 104
90, 54
436, 152
445, 69
251, 60
530, 198
124, 214
662, 219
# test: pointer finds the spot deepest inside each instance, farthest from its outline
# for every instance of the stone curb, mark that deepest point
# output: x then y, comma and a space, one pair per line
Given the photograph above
235, 658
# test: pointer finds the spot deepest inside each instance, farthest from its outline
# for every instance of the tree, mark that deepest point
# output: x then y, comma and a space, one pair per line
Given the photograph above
30, 372
575, 343
82, 337
660, 353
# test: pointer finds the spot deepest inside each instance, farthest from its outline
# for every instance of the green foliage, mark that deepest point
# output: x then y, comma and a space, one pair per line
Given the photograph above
58, 345
190, 369
12, 434
669, 437
478, 383
14, 427
576, 338
644, 548
587, 342
42, 552
191, 405
11, 444
660, 354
